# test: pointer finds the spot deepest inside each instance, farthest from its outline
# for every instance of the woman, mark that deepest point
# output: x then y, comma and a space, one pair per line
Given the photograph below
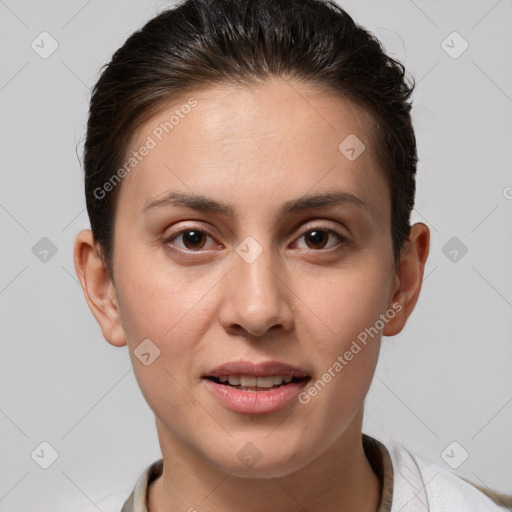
249, 175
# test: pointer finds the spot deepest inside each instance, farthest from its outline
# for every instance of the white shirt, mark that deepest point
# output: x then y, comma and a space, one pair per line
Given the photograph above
421, 486
409, 483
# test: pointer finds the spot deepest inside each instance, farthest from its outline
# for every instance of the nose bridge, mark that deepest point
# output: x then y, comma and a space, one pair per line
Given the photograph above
256, 299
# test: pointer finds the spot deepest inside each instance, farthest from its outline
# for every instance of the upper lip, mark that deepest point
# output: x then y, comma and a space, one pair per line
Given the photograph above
264, 369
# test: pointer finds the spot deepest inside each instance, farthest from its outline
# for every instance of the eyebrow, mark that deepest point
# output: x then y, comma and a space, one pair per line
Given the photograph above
308, 202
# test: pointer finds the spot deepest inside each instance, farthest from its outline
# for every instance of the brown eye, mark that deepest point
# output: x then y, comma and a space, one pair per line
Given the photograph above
193, 239
317, 239
189, 239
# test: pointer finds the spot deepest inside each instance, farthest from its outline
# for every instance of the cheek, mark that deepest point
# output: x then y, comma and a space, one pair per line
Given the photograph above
174, 313
346, 305
342, 318
158, 301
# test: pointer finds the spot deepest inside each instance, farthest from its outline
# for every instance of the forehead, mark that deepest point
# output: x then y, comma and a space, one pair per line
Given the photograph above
279, 136
273, 111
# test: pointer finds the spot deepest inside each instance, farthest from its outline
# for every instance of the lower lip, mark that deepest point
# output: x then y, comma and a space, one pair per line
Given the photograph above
255, 402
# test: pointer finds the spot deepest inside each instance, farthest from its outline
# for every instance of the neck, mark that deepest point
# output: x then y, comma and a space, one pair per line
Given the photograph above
341, 478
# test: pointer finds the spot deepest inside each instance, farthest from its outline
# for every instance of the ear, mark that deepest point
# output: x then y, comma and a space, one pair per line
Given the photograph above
409, 277
98, 288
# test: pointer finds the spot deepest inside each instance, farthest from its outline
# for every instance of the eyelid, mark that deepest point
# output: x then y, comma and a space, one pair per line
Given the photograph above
320, 224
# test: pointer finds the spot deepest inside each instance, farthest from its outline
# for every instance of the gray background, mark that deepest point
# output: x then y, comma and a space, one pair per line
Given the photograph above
445, 378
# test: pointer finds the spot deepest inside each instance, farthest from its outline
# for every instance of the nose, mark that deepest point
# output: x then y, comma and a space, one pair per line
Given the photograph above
256, 297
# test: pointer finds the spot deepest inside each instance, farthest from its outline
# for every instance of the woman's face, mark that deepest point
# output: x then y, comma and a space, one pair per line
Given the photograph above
253, 272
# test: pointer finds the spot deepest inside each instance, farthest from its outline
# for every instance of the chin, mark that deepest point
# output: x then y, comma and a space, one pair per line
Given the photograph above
259, 458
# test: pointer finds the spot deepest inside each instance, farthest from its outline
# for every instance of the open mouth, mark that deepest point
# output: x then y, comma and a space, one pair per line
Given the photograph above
253, 383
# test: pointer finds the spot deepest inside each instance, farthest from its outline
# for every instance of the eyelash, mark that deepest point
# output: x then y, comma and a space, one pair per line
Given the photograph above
325, 229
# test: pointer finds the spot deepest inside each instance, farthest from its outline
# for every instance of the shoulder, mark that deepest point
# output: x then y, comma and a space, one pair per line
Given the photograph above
420, 486
108, 502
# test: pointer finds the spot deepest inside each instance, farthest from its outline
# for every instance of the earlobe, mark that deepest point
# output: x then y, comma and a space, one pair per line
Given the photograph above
98, 288
409, 277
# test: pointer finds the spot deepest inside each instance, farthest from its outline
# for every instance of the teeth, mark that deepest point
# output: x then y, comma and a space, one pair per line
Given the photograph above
247, 381
252, 381
265, 382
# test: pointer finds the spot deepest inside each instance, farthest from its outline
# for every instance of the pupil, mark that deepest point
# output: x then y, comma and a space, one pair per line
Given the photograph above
316, 237
194, 239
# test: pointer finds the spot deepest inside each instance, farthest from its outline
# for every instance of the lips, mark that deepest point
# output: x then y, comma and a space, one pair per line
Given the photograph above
255, 388
248, 376
264, 369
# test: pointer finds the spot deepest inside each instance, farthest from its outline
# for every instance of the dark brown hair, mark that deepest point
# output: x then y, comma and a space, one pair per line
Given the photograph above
202, 42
